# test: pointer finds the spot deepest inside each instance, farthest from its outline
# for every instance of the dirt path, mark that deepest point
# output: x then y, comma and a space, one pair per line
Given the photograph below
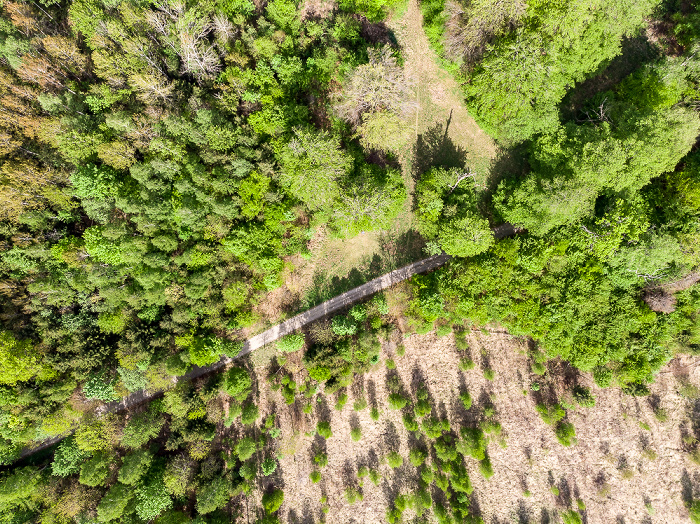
443, 126
285, 328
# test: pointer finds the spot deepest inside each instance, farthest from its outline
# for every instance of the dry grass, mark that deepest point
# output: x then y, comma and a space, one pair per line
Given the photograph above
610, 469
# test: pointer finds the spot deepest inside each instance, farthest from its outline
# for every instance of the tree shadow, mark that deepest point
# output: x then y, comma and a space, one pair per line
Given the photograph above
434, 148
396, 249
635, 52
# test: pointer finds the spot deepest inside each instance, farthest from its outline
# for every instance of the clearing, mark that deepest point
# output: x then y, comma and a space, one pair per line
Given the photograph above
443, 133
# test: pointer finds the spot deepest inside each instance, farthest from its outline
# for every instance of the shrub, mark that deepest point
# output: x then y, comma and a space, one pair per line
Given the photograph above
342, 400
410, 422
272, 500
550, 414
237, 383
95, 471
485, 468
249, 414
443, 331
360, 404
353, 495
427, 475
358, 312
248, 470
97, 386
321, 459
343, 326
315, 476
356, 434
213, 495
571, 517
67, 458
374, 414
566, 433
269, 466
397, 401
245, 448
114, 502
465, 364
390, 364
583, 396
134, 466
466, 399
362, 472
374, 476
153, 499
394, 459
400, 350
489, 374
417, 457
291, 343
324, 429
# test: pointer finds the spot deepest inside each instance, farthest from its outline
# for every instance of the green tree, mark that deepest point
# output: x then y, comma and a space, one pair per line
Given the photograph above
18, 361
272, 500
134, 466
114, 502
95, 470
213, 495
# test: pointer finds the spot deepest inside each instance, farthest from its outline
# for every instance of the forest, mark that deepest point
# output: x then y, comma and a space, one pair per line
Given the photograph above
168, 166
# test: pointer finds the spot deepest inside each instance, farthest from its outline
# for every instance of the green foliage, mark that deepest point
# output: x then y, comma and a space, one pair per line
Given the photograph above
394, 459
473, 443
114, 502
95, 470
397, 401
67, 458
356, 434
485, 468
141, 428
466, 399
269, 466
583, 396
324, 429
134, 466
98, 387
343, 326
565, 433
153, 499
550, 414
250, 414
570, 516
291, 343
213, 495
18, 361
272, 500
245, 448
315, 476
417, 457
237, 383
447, 212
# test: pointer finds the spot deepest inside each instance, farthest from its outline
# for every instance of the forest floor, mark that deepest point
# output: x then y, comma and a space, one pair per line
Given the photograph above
626, 466
442, 133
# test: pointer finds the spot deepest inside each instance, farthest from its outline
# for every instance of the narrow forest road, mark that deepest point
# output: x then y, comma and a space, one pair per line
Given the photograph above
285, 328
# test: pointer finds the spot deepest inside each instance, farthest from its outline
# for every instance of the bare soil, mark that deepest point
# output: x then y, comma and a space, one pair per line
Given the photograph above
608, 469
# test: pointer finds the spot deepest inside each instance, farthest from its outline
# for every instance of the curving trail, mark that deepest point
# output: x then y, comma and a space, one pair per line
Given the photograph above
284, 328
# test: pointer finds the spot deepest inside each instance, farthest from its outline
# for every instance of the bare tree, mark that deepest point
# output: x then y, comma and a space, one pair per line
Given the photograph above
379, 85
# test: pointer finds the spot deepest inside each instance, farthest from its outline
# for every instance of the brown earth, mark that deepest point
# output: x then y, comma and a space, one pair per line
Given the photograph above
625, 457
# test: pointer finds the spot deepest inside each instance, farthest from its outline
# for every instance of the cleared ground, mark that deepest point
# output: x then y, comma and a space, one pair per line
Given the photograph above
627, 466
442, 133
